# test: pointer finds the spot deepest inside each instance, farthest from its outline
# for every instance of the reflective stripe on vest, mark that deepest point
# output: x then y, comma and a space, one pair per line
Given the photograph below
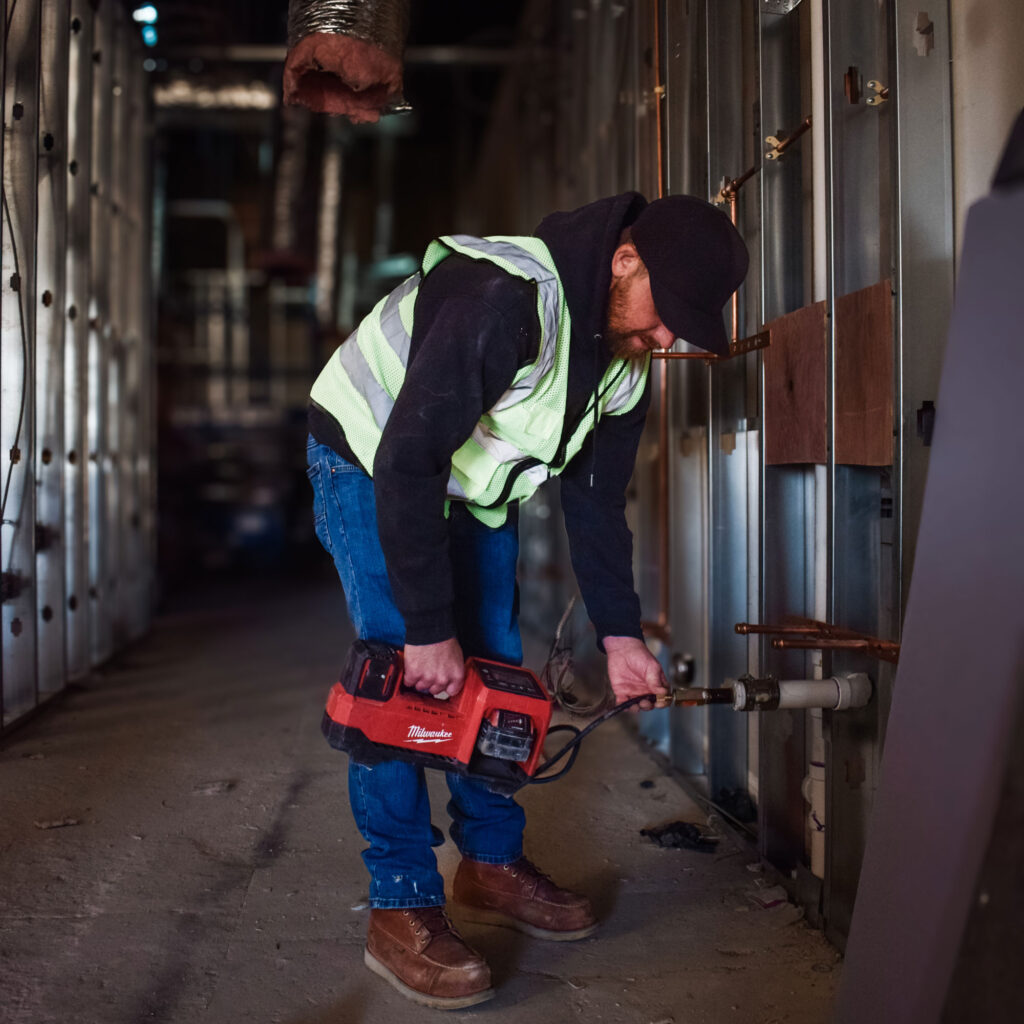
515, 446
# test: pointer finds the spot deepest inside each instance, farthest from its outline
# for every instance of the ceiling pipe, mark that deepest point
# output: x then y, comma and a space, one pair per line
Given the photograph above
345, 57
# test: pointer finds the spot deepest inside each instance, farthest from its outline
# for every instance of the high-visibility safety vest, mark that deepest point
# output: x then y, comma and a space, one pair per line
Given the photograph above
517, 444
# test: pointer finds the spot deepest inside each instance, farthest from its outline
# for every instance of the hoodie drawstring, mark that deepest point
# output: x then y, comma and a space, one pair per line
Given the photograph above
593, 451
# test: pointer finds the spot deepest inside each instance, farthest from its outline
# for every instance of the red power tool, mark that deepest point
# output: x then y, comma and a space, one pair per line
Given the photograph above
492, 730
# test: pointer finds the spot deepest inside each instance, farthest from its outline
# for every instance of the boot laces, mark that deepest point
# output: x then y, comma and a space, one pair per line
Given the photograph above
432, 921
526, 868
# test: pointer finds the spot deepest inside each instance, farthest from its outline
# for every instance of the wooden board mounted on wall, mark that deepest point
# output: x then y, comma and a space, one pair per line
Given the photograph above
864, 377
795, 374
796, 382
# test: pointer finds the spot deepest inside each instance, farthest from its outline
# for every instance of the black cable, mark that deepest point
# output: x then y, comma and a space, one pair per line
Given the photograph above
24, 355
573, 745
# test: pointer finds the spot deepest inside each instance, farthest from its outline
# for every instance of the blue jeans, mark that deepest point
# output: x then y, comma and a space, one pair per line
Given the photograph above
389, 800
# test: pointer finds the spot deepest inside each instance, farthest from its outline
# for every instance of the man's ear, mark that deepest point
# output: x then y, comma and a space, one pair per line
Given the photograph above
625, 260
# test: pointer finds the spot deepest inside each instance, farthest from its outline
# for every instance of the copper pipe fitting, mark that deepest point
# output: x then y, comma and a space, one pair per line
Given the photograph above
780, 145
695, 696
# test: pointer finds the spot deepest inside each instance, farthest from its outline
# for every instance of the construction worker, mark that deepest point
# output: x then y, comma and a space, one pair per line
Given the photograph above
506, 361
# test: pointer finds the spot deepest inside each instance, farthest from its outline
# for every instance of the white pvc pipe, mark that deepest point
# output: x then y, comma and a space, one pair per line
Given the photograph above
813, 791
836, 693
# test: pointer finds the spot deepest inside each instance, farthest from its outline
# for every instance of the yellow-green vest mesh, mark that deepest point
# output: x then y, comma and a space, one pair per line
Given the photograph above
358, 386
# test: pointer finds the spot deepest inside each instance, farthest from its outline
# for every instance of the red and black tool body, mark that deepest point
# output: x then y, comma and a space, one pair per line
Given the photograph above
492, 730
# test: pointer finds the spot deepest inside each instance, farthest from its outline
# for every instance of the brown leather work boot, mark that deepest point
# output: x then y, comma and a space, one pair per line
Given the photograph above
420, 953
519, 896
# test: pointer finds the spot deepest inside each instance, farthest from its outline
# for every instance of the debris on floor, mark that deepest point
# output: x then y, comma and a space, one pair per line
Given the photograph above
772, 896
57, 823
680, 835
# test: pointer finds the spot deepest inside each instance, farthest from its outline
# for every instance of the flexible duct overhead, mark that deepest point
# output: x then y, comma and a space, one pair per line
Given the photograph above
345, 56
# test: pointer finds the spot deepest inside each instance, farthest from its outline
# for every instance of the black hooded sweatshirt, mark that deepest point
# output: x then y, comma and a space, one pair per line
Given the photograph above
474, 327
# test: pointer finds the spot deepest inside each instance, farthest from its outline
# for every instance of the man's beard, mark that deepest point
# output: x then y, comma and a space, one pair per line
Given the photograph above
621, 342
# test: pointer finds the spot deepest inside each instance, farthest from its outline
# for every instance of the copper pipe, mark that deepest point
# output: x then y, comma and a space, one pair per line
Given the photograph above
660, 627
736, 294
661, 354
663, 537
812, 627
730, 192
736, 348
811, 635
805, 126
882, 649
818, 642
659, 94
731, 188
659, 630
746, 628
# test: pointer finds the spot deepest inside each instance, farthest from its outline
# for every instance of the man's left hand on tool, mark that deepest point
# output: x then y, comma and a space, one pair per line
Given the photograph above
632, 670
438, 669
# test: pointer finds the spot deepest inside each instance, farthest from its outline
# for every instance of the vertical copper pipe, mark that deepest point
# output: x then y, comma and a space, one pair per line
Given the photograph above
659, 94
733, 203
663, 535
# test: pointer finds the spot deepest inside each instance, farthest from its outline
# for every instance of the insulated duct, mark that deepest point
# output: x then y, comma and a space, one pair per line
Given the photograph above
345, 57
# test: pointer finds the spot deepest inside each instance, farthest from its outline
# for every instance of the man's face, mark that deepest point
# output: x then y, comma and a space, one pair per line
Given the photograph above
634, 327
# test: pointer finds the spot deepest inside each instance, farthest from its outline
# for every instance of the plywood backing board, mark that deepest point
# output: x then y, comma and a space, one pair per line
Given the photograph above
794, 385
864, 377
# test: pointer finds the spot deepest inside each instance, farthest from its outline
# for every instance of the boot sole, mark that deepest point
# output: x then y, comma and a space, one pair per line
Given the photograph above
434, 1002
495, 917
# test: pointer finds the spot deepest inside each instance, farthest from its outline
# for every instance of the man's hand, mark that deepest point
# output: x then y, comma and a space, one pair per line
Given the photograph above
435, 668
633, 670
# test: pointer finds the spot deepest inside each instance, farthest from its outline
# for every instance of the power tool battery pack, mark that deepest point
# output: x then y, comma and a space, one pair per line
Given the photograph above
492, 730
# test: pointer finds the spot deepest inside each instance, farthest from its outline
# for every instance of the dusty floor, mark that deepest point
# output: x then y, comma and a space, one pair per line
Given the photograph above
209, 871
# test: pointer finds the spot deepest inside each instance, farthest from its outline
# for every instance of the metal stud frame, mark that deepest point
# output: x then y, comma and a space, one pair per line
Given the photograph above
76, 440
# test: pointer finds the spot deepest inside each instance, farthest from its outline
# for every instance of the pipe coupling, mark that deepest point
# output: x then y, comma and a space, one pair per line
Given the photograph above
837, 693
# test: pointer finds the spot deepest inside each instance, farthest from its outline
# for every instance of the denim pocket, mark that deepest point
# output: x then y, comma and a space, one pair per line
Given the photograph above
341, 466
319, 506
315, 475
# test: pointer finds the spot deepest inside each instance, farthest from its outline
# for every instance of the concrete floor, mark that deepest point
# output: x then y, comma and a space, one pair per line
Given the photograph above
210, 870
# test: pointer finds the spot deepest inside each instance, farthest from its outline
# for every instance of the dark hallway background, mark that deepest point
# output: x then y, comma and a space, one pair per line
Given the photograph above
275, 231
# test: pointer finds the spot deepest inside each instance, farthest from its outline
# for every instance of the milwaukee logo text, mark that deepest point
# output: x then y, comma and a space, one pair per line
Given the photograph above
420, 735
